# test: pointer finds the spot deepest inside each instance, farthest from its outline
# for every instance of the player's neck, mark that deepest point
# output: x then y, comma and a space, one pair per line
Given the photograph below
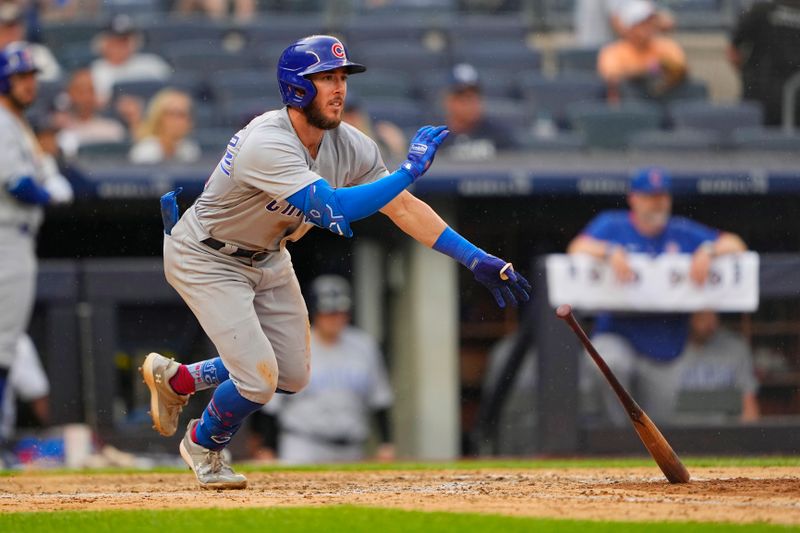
309, 135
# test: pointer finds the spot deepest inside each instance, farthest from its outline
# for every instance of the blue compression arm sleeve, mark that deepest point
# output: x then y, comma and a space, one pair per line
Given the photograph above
452, 244
334, 209
28, 191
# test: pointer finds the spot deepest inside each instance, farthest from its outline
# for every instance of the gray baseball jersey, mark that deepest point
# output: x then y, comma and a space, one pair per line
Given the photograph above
21, 156
243, 203
254, 311
349, 381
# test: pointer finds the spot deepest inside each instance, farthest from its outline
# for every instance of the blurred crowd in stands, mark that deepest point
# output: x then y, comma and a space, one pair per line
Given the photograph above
152, 82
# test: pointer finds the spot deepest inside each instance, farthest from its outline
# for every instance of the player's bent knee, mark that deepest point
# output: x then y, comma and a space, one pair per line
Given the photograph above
294, 383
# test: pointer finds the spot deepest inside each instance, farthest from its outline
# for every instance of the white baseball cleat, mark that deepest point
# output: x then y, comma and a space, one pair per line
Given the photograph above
210, 467
165, 404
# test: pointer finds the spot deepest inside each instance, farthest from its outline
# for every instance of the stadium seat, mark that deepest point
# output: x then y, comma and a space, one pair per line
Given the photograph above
382, 83
704, 15
206, 57
74, 56
577, 59
245, 84
561, 142
57, 35
510, 113
488, 28
680, 140
551, 96
692, 89
766, 139
403, 112
238, 112
402, 56
144, 89
102, 151
161, 33
516, 56
283, 30
557, 14
495, 83
612, 127
722, 119
365, 31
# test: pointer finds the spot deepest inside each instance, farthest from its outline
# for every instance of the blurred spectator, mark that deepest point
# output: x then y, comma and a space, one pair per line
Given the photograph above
654, 63
643, 349
12, 29
243, 10
473, 136
164, 133
78, 115
765, 46
597, 22
716, 359
27, 382
329, 421
47, 129
120, 60
391, 140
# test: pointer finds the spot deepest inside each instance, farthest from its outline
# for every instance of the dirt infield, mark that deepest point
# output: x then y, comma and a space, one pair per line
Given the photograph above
769, 494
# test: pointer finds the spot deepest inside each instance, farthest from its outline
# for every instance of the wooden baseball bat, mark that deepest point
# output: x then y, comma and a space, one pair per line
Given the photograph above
651, 437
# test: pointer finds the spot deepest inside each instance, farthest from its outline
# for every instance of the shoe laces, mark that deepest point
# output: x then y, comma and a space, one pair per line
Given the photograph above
216, 463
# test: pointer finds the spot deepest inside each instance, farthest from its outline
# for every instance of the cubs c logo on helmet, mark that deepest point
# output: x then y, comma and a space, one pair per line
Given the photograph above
338, 50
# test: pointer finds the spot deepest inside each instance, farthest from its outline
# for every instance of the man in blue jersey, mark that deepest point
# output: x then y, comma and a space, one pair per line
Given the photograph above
642, 349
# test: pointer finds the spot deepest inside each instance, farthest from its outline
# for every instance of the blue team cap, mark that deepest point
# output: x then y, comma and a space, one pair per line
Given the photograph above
651, 180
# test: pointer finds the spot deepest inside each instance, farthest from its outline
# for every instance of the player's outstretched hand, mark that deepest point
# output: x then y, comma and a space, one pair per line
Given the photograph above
423, 149
507, 286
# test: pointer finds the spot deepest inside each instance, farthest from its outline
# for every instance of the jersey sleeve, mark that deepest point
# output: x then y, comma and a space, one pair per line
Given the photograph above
272, 163
16, 163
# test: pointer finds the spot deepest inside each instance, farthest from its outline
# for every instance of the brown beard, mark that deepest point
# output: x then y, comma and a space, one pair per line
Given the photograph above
315, 117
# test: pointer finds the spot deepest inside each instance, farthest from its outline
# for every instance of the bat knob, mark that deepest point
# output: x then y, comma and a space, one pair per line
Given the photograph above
564, 311
503, 275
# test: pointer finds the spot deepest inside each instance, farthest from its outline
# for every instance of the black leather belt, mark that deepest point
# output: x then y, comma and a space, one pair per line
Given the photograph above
255, 255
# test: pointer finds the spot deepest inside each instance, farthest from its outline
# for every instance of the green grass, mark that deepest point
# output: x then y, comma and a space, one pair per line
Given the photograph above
630, 462
341, 518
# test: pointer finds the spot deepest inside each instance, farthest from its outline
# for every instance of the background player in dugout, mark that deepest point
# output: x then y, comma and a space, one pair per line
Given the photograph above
643, 349
329, 421
29, 180
226, 256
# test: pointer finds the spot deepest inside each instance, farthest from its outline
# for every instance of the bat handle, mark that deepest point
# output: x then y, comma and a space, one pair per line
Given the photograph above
503, 275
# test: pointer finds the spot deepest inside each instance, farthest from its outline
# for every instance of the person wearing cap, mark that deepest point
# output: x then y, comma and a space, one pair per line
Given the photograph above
644, 349
473, 135
120, 61
329, 421
642, 56
597, 22
29, 181
12, 29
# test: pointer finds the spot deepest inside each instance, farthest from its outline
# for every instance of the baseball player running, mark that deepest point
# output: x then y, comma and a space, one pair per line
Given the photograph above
29, 180
226, 256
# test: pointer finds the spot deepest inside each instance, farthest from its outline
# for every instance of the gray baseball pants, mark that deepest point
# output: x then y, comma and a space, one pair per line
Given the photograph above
253, 312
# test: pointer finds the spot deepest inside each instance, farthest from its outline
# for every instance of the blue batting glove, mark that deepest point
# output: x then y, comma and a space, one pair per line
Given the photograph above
423, 149
499, 277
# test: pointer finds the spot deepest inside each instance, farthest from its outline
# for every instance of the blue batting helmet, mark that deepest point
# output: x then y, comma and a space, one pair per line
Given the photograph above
15, 58
317, 53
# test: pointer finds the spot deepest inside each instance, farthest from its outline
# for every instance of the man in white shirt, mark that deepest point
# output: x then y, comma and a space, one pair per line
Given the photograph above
121, 62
